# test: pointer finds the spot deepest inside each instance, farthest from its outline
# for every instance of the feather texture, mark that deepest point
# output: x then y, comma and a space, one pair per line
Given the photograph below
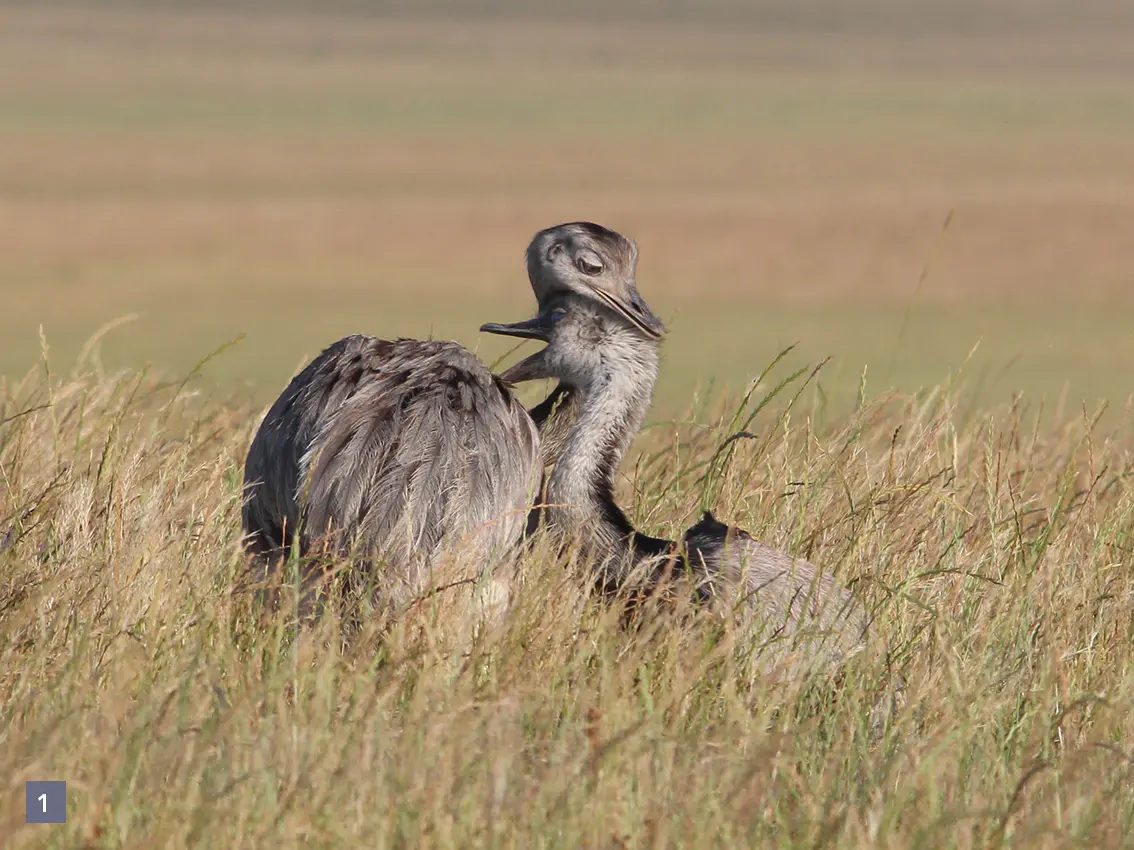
392, 450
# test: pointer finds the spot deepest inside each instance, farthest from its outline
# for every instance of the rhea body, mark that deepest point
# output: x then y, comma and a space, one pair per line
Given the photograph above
607, 370
400, 450
391, 449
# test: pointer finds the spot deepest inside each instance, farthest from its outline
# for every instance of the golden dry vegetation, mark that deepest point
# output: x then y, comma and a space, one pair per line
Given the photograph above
993, 550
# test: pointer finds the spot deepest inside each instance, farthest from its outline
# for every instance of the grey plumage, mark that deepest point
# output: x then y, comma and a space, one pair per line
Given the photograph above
607, 375
607, 368
795, 607
392, 449
398, 450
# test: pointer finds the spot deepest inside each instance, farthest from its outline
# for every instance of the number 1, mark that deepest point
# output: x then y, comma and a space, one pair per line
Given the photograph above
43, 797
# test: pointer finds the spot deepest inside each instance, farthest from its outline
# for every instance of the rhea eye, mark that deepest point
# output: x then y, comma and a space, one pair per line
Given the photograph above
588, 265
557, 314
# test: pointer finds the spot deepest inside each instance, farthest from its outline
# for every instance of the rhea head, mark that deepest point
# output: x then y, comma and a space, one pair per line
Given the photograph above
594, 262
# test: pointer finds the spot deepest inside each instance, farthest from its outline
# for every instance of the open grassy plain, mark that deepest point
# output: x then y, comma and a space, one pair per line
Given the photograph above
788, 170
293, 177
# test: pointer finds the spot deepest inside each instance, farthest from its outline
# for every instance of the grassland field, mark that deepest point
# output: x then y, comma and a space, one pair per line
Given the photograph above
937, 197
294, 177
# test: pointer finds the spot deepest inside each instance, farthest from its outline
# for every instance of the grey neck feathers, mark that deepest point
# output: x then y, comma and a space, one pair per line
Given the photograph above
555, 416
610, 410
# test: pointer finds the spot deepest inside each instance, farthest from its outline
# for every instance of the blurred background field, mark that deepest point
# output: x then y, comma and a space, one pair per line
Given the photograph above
293, 173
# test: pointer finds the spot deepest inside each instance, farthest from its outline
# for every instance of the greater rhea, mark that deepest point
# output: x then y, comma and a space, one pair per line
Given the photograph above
607, 368
396, 450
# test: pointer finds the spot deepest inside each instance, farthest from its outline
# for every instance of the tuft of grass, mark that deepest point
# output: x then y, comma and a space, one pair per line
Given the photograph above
993, 547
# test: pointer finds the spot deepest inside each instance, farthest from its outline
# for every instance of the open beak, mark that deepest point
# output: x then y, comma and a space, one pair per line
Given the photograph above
537, 328
633, 308
531, 368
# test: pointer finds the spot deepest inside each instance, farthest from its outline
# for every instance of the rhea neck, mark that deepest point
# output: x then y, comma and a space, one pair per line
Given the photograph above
610, 404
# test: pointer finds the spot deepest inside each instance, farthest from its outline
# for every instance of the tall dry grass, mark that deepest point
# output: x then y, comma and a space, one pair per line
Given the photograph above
993, 548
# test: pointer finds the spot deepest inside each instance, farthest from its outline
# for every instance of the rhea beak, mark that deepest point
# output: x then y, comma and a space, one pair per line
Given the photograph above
531, 368
537, 328
633, 308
